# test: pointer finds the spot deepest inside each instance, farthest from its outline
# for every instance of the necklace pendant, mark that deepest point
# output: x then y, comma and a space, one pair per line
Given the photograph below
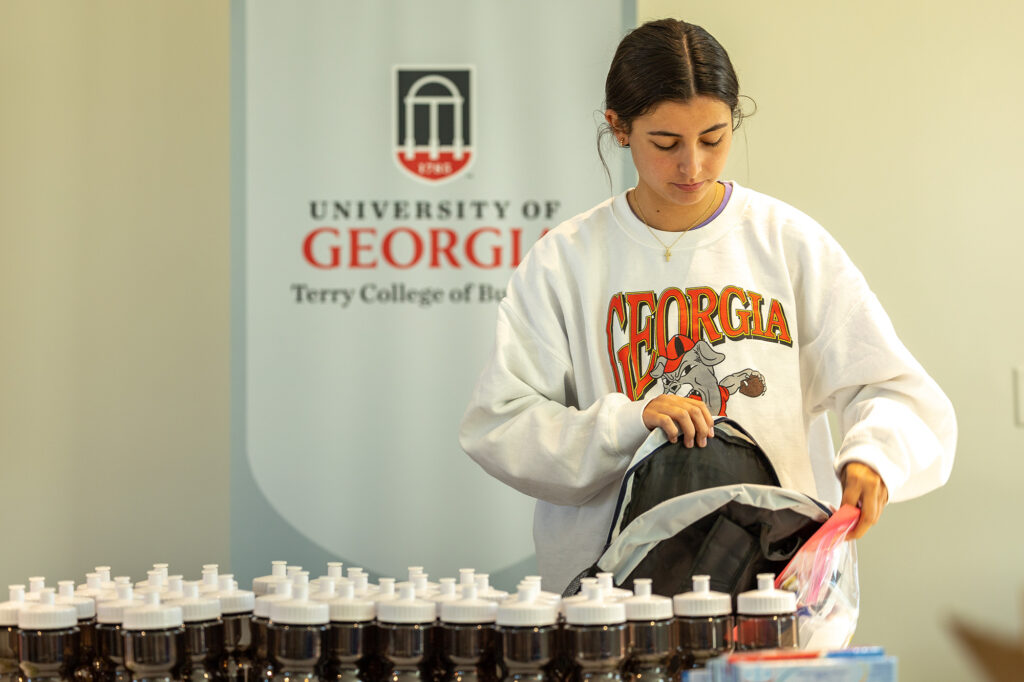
668, 255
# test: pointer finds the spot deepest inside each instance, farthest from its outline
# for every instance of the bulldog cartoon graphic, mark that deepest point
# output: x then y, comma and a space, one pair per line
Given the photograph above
686, 362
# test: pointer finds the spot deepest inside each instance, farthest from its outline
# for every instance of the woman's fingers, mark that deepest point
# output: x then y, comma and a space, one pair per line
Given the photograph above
864, 488
678, 417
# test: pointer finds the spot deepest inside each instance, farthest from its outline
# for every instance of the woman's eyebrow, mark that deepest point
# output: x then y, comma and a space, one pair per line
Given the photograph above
666, 133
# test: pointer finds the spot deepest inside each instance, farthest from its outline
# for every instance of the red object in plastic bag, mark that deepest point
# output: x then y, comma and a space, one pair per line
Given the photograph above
823, 573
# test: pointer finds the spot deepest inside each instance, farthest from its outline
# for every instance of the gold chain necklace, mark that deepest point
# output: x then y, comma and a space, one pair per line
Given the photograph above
668, 247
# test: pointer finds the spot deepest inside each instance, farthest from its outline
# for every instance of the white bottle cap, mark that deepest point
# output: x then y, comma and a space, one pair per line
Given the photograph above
419, 585
9, 609
348, 608
526, 609
105, 582
281, 592
766, 600
36, 585
85, 607
112, 611
385, 590
174, 589
94, 587
92, 581
702, 602
233, 600
585, 584
278, 573
292, 570
196, 608
485, 591
333, 573
467, 575
157, 577
406, 608
542, 595
46, 614
445, 593
361, 583
210, 581
419, 578
469, 609
154, 583
644, 606
606, 581
325, 588
152, 615
300, 609
595, 610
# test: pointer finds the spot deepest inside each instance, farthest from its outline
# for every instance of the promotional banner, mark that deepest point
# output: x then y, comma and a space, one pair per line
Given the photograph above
397, 159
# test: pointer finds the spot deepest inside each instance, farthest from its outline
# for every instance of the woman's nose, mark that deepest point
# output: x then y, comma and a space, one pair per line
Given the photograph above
689, 162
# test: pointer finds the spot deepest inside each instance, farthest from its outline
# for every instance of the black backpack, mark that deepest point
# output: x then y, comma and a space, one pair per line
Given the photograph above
716, 510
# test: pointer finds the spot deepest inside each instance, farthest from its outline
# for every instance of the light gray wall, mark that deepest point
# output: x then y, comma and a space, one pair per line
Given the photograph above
895, 125
113, 287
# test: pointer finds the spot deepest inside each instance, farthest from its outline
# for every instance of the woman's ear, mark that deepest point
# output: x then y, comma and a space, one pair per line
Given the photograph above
613, 121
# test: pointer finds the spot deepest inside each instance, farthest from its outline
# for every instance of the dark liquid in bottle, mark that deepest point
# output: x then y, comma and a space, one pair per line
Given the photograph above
238, 665
598, 651
204, 649
155, 655
350, 652
766, 632
405, 651
701, 639
471, 650
297, 652
48, 655
651, 651
9, 670
529, 652
110, 665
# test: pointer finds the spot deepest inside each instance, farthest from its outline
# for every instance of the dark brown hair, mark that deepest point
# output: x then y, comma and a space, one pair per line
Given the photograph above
666, 60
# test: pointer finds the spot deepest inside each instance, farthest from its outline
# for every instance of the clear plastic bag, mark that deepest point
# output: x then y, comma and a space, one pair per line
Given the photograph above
823, 574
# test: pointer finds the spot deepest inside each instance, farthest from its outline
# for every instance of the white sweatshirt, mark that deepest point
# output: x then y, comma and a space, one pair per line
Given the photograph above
760, 313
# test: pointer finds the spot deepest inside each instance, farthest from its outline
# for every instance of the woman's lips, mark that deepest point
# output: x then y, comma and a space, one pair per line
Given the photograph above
688, 188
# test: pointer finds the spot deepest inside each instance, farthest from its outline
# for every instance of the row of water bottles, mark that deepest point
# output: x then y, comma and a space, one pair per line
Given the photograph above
344, 628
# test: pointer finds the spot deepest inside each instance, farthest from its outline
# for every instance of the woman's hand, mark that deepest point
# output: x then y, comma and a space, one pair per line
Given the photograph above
864, 488
678, 416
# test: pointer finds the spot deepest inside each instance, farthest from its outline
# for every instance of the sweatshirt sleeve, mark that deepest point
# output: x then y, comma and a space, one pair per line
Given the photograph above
523, 425
892, 414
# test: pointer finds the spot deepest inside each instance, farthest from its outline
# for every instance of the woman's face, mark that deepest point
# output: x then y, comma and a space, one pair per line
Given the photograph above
679, 150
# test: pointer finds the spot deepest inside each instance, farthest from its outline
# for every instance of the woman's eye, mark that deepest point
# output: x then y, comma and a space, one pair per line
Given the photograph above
715, 143
671, 146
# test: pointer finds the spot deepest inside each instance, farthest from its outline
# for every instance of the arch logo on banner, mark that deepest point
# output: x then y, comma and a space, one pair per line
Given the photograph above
433, 121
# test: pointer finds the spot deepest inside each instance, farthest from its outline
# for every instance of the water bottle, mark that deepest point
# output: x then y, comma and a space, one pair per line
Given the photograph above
651, 641
48, 640
297, 636
528, 629
236, 612
766, 617
154, 640
110, 665
704, 624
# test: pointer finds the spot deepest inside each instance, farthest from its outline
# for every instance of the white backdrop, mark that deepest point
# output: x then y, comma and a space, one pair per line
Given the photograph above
371, 279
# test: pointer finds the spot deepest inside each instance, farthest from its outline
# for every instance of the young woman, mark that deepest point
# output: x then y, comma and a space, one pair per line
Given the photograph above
684, 298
